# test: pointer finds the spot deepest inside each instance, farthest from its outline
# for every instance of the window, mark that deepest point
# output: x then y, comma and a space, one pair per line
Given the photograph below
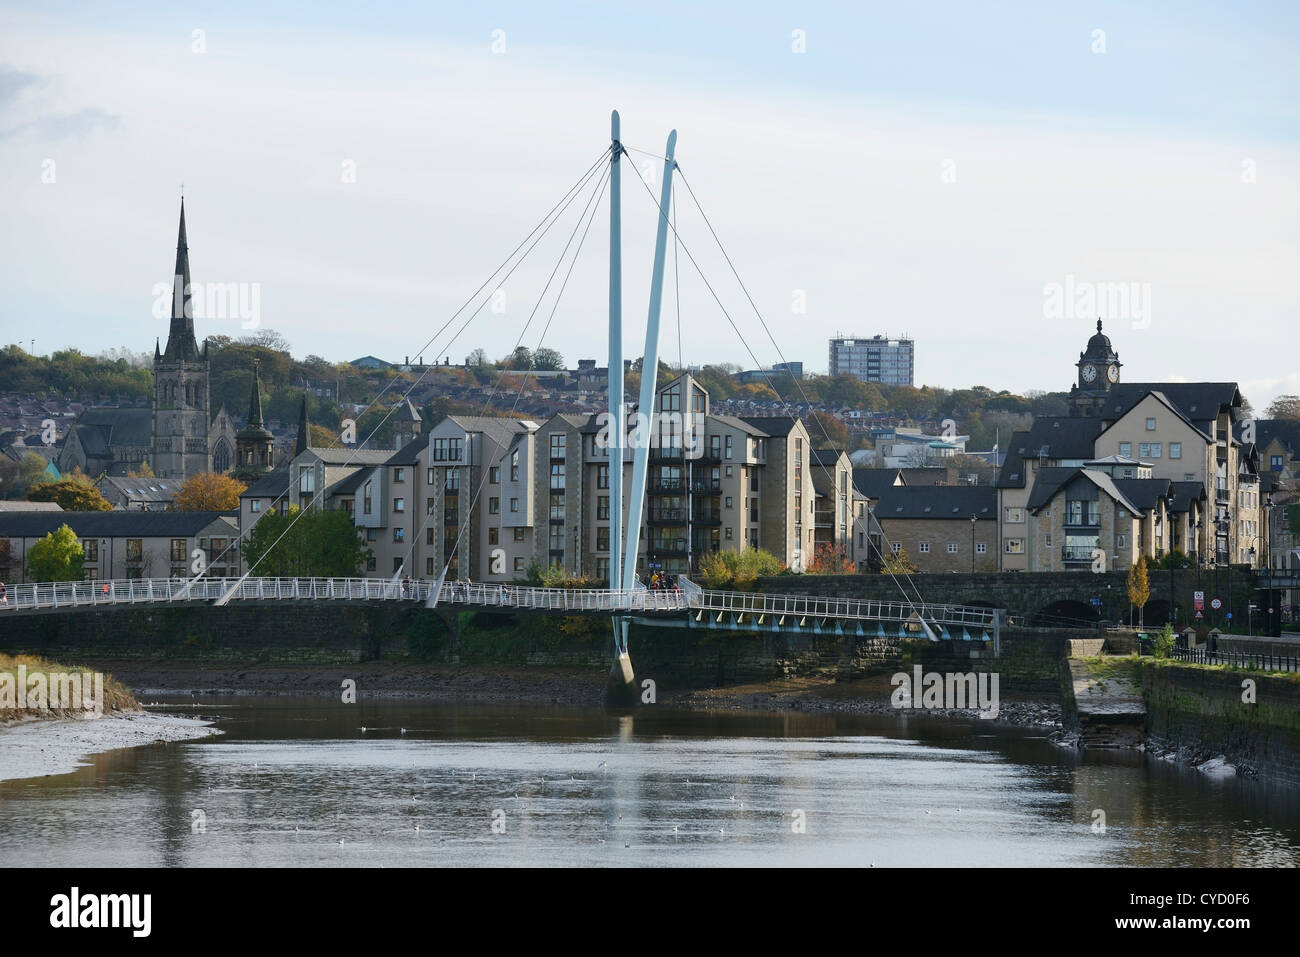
429, 567
494, 536
557, 475
494, 475
1126, 449
1275, 463
399, 505
557, 507
602, 539
897, 547
514, 505
399, 534
91, 548
399, 475
728, 501
981, 548
1079, 512
923, 548
1015, 546
429, 476
1175, 450
255, 505
397, 565
727, 453
728, 532
602, 507
306, 480
519, 534
1121, 541
178, 549
602, 476
428, 536
494, 506
367, 496
728, 471
1151, 425
134, 549
519, 564
557, 445
370, 563
451, 482
514, 465
952, 548
753, 481
372, 534
1013, 515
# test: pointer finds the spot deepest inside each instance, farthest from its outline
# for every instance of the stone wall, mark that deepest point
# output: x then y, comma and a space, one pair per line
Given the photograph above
1201, 710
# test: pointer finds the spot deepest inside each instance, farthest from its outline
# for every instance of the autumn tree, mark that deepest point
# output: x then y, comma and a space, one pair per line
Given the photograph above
831, 559
141, 470
209, 492
898, 564
58, 557
1139, 586
73, 493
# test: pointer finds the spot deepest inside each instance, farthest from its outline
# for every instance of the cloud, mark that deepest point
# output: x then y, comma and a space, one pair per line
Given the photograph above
61, 126
13, 82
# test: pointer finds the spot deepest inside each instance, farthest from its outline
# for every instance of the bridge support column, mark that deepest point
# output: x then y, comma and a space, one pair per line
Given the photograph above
620, 686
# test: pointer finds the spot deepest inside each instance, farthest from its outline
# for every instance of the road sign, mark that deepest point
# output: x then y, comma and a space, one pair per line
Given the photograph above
1198, 600
1199, 595
1199, 616
1216, 603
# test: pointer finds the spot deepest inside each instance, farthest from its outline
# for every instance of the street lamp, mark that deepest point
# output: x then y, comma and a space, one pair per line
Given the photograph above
972, 544
1169, 534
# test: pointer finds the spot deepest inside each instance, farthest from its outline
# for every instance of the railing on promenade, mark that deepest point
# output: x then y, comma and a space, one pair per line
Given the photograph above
1237, 659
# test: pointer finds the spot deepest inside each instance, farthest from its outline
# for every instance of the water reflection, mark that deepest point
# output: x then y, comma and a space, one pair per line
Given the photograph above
311, 782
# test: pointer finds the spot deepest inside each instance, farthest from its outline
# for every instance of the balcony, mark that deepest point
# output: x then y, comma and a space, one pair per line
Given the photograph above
666, 454
1077, 554
666, 516
706, 516
706, 486
667, 546
667, 486
1222, 496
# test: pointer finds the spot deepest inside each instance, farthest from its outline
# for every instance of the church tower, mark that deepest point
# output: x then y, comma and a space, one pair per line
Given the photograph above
254, 444
181, 419
1098, 367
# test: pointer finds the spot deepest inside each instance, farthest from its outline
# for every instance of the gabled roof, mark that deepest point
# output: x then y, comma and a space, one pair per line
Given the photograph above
825, 456
1144, 493
113, 524
500, 430
1185, 493
143, 489
409, 454
1285, 431
357, 457
1137, 495
771, 425
1199, 402
349, 484
1202, 427
938, 502
871, 482
1061, 437
114, 427
271, 485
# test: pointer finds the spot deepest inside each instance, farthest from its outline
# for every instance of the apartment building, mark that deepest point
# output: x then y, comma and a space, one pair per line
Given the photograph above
1187, 436
128, 544
940, 528
874, 359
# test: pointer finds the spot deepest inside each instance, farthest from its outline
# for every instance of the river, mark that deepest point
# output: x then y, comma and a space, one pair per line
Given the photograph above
297, 781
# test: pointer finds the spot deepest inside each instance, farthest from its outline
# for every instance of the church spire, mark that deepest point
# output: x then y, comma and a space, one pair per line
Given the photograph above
181, 344
255, 400
304, 434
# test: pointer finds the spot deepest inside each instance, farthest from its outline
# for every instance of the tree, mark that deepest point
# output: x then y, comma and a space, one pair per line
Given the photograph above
1285, 407
31, 470
520, 359
477, 359
830, 559
267, 339
142, 470
58, 557
209, 492
548, 360
1139, 586
73, 493
827, 432
319, 543
898, 564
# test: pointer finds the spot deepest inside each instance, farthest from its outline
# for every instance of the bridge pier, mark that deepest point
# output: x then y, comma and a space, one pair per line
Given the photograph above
620, 687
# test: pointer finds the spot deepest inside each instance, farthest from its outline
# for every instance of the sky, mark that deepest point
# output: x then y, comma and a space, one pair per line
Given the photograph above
966, 174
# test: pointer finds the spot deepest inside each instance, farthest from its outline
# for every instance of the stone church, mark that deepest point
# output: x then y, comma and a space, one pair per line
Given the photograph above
180, 437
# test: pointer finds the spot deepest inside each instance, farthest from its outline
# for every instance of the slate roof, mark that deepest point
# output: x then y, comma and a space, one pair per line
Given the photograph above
871, 482
1064, 437
409, 454
144, 489
99, 430
499, 430
113, 524
938, 501
271, 485
357, 457
1050, 481
771, 425
1200, 402
349, 484
1287, 431
1204, 427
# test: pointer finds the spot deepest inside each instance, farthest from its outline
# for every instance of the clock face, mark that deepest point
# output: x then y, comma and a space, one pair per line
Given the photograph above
1113, 373
1089, 373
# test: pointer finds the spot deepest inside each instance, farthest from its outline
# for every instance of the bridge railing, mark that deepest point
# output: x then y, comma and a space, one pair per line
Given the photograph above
846, 608
48, 596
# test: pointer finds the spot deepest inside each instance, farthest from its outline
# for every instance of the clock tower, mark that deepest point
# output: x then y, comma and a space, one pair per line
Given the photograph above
1098, 367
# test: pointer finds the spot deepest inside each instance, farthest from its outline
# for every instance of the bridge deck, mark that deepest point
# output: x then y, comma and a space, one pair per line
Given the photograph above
705, 608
